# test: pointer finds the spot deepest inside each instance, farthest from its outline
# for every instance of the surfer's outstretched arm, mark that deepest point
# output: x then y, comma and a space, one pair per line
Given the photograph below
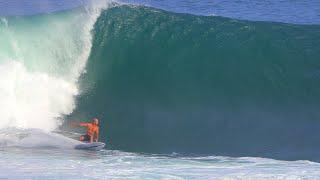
84, 124
77, 124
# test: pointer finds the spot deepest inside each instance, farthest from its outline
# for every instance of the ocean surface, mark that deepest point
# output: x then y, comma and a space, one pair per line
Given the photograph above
183, 89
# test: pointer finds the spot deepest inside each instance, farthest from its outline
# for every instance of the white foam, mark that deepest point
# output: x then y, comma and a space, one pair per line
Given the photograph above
41, 60
33, 99
34, 138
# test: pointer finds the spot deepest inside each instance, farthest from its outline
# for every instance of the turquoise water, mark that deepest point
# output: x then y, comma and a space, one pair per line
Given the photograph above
179, 96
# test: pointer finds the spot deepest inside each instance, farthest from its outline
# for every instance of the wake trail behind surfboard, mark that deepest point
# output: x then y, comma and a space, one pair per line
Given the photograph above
35, 138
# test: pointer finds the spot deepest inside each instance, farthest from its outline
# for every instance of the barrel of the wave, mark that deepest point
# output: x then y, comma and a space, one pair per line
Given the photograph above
193, 84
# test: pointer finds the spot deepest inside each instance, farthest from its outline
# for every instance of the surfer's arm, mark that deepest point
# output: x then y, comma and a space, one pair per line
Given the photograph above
77, 124
84, 124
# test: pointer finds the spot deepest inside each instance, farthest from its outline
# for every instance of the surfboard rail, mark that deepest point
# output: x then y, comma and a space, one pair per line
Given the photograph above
94, 146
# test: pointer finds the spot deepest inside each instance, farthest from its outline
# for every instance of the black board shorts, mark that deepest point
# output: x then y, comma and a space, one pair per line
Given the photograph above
86, 137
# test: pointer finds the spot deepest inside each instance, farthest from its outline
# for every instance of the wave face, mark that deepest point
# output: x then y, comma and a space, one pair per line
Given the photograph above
41, 59
165, 82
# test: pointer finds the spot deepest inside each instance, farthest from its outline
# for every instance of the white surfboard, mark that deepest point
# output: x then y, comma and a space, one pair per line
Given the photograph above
95, 146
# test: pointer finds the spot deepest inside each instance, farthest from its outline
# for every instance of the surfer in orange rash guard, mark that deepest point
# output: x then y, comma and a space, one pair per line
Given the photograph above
92, 134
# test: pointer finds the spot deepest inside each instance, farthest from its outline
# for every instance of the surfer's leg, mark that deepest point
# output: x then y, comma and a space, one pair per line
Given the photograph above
85, 137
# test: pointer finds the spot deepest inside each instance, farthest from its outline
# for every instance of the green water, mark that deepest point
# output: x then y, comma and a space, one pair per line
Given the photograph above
166, 82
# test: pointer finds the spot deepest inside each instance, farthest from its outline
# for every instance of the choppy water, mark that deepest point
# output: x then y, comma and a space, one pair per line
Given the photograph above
36, 154
107, 164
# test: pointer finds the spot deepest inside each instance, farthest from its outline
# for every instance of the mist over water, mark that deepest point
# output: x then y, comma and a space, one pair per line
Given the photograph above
33, 99
41, 59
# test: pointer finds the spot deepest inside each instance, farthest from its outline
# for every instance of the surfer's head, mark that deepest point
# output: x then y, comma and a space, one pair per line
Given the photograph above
95, 121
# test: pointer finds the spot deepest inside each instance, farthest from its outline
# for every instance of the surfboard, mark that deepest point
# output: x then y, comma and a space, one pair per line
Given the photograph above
95, 146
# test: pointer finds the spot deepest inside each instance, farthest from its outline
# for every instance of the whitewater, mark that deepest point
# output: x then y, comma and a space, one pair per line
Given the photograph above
108, 164
42, 60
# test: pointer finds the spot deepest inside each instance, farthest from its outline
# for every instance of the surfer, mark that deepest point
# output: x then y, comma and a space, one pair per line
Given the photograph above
92, 134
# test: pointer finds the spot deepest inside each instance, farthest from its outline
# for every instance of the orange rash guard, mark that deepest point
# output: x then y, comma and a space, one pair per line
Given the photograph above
91, 129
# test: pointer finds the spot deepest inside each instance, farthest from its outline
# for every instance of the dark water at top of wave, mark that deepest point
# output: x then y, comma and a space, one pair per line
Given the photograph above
296, 12
163, 82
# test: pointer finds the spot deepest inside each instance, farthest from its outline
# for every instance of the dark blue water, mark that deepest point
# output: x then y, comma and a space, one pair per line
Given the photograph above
288, 11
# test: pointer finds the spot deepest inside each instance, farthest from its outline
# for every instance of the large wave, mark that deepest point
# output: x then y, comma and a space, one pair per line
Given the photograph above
41, 59
166, 82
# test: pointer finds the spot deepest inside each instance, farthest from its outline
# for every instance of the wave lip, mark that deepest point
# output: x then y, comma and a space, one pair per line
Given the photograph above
286, 11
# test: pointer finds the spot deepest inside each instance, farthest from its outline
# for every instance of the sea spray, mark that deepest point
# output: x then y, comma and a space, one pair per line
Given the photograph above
41, 59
